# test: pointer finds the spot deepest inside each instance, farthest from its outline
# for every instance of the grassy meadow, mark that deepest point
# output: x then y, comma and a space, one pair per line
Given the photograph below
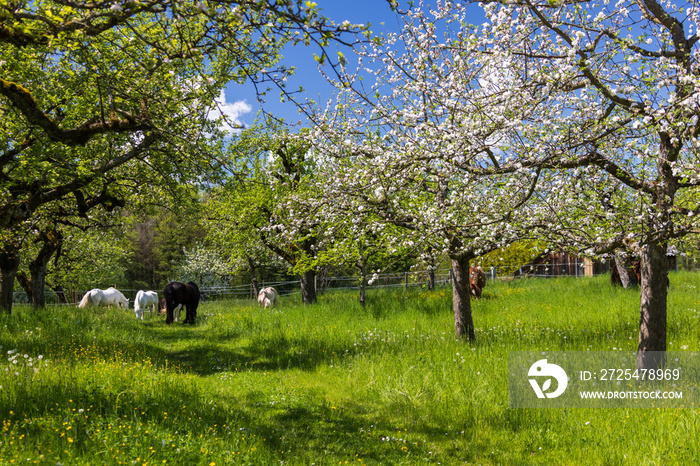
331, 383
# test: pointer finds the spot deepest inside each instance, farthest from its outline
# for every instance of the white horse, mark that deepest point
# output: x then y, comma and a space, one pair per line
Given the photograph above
145, 299
267, 297
109, 297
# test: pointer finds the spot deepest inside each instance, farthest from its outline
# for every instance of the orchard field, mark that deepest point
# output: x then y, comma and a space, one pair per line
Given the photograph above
332, 383
460, 130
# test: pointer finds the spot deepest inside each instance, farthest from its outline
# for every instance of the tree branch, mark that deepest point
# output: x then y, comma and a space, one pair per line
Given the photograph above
24, 101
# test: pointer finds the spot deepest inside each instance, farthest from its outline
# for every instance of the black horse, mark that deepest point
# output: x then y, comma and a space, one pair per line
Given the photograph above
177, 293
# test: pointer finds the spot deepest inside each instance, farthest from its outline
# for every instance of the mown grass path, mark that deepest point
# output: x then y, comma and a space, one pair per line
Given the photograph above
331, 383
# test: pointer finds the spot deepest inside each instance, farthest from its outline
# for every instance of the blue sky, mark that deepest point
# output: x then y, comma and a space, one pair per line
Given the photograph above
241, 102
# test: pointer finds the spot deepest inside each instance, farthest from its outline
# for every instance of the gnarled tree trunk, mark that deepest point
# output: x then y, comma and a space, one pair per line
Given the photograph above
652, 319
53, 240
461, 303
622, 272
26, 283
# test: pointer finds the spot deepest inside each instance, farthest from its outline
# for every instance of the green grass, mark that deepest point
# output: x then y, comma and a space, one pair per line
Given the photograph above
331, 383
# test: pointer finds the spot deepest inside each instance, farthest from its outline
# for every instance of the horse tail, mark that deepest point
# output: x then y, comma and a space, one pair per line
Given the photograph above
86, 300
137, 301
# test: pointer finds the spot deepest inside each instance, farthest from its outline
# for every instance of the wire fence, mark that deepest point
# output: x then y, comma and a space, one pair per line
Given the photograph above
442, 277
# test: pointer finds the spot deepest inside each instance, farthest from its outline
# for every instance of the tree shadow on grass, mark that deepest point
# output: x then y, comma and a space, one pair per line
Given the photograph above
319, 432
276, 352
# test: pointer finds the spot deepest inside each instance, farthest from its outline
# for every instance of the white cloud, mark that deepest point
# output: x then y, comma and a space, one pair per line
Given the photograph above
229, 112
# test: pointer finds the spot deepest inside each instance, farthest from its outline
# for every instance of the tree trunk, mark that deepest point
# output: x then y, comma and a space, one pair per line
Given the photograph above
9, 263
362, 291
461, 302
26, 283
34, 285
622, 272
253, 277
38, 272
431, 270
363, 274
651, 350
308, 287
652, 320
53, 241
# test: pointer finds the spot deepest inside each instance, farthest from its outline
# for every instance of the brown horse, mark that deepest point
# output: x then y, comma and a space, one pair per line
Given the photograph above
477, 280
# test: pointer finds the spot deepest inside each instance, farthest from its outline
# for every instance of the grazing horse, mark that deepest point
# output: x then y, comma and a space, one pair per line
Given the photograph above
180, 294
145, 299
477, 280
109, 297
267, 297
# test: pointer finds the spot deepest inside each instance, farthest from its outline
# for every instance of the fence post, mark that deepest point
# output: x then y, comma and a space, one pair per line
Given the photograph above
405, 283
